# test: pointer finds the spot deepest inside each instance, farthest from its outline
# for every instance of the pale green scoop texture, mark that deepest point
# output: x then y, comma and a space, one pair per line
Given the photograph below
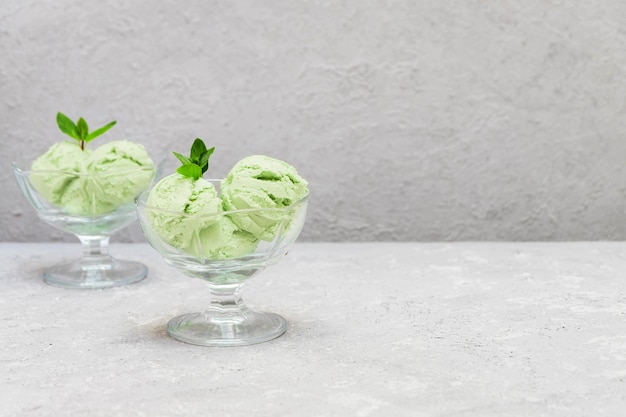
63, 162
214, 233
190, 219
95, 182
187, 206
119, 172
262, 182
224, 240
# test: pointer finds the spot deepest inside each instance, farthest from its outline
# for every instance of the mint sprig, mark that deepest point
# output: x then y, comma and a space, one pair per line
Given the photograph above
80, 129
197, 163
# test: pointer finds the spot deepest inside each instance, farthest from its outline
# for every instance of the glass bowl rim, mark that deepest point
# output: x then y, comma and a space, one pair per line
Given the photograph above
141, 204
27, 172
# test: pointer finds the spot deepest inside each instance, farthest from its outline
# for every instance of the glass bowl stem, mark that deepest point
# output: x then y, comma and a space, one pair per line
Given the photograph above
95, 251
96, 268
227, 321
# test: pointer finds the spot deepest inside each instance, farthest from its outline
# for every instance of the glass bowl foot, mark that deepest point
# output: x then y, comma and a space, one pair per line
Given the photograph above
90, 276
208, 329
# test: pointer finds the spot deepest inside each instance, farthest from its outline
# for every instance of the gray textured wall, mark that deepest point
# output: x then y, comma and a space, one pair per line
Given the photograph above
413, 120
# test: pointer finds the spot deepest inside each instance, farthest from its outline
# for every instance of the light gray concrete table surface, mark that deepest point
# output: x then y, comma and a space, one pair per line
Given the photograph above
376, 329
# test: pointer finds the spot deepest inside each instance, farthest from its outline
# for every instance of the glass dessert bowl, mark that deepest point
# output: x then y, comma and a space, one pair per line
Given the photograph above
213, 248
92, 207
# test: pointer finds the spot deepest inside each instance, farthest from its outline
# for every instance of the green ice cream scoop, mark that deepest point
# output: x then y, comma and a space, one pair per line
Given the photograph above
82, 182
224, 240
117, 172
55, 172
262, 182
180, 208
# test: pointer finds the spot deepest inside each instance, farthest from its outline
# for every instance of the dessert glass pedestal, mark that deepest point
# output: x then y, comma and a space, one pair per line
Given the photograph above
227, 321
96, 268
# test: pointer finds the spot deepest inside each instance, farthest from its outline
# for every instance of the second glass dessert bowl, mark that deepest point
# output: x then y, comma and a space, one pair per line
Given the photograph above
214, 249
92, 207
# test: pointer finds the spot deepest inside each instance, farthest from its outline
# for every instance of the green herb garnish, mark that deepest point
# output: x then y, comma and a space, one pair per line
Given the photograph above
80, 129
198, 161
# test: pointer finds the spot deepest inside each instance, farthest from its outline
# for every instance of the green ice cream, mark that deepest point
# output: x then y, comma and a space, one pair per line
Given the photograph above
56, 170
261, 182
83, 182
118, 172
186, 206
188, 217
186, 212
224, 240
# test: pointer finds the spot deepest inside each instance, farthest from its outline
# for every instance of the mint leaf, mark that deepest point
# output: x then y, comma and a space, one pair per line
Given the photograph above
82, 128
190, 170
67, 126
182, 158
198, 161
197, 149
99, 131
204, 159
